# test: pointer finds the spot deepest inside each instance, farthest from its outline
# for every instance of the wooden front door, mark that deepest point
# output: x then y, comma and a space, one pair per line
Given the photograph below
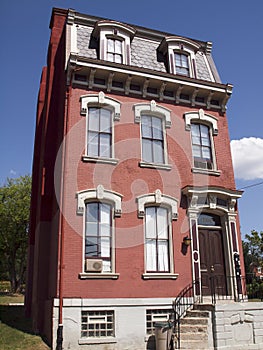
212, 262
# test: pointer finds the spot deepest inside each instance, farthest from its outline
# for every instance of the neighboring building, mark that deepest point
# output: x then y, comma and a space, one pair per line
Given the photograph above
132, 157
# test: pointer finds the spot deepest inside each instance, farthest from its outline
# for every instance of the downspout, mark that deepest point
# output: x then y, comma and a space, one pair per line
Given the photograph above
61, 225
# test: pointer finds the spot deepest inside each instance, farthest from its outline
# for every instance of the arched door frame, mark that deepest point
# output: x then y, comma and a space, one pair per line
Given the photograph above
221, 202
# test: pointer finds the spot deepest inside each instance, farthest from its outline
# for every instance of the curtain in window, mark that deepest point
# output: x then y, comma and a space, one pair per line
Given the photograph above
156, 240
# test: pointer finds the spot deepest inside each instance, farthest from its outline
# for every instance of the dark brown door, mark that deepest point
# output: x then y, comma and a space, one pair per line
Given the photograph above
212, 262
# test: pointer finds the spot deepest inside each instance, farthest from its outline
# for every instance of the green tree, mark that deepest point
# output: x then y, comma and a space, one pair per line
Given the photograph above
14, 224
253, 249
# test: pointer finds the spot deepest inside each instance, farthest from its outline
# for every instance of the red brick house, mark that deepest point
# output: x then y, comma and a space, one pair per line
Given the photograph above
132, 159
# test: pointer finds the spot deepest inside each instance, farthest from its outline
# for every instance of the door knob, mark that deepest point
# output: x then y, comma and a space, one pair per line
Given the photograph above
212, 268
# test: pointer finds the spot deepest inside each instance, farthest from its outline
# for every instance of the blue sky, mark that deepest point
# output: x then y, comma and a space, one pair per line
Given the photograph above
234, 27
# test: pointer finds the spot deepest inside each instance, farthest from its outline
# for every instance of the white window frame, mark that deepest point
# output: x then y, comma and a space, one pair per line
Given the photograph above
200, 117
172, 44
152, 109
114, 30
171, 204
101, 101
105, 196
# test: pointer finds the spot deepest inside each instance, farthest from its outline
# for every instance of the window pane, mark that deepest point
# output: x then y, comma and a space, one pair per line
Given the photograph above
94, 119
146, 127
105, 247
205, 141
177, 59
118, 46
147, 150
93, 142
157, 128
197, 151
106, 266
195, 140
92, 212
110, 57
105, 213
92, 248
158, 152
105, 147
206, 153
151, 255
163, 261
91, 228
110, 45
118, 58
195, 130
105, 230
204, 131
105, 120
182, 71
150, 222
162, 227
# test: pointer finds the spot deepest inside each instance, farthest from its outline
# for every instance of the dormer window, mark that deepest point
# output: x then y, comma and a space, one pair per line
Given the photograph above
114, 41
181, 64
180, 54
114, 50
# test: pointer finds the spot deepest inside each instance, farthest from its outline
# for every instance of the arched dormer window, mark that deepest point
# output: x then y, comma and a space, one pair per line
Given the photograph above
180, 53
114, 41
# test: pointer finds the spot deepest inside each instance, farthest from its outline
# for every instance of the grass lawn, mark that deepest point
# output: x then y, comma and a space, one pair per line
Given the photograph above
15, 330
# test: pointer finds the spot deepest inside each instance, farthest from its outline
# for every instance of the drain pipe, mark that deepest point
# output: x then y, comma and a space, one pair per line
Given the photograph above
59, 345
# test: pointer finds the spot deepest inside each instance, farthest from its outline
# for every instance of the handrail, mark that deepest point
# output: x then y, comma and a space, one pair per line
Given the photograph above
183, 302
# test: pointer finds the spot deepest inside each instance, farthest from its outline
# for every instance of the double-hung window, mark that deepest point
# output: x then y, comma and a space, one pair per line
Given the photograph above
114, 50
157, 239
152, 139
99, 208
201, 146
158, 211
203, 128
99, 140
98, 233
181, 64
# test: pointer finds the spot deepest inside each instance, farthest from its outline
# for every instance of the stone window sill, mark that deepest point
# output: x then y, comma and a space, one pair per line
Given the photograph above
155, 166
97, 341
206, 171
112, 161
100, 275
159, 276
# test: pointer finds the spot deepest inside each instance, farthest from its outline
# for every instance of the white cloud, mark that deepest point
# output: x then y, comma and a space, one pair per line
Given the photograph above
247, 154
12, 172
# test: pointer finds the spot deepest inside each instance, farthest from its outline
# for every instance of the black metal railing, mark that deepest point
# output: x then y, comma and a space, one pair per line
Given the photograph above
183, 302
236, 288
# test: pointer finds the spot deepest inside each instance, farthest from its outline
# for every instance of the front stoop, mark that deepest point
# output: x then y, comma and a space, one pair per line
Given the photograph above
195, 329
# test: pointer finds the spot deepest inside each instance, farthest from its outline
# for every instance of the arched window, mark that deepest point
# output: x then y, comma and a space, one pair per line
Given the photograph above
153, 119
101, 112
158, 211
100, 208
203, 127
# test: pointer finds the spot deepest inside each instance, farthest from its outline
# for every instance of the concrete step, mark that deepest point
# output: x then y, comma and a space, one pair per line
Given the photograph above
194, 321
197, 313
193, 344
205, 307
194, 336
189, 328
